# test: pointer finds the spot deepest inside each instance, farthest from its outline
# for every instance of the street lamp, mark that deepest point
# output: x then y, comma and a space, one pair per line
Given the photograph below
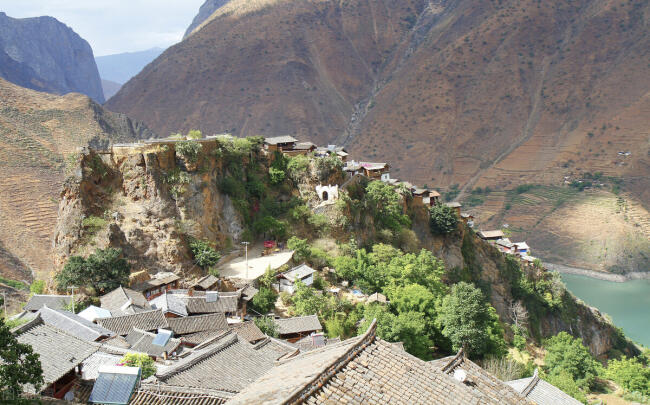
72, 300
246, 250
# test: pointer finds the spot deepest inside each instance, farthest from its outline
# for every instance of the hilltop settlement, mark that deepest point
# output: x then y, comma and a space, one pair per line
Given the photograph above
274, 320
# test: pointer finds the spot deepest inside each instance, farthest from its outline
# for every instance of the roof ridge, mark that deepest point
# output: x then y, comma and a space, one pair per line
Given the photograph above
135, 314
318, 381
455, 361
532, 384
77, 321
296, 317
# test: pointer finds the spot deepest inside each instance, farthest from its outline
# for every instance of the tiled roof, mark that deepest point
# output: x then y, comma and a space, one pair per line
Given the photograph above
37, 302
157, 280
224, 303
58, 351
280, 139
541, 392
304, 146
73, 324
497, 234
90, 366
151, 394
373, 165
248, 292
206, 282
298, 324
248, 331
454, 204
142, 341
149, 320
276, 349
172, 303
298, 273
314, 341
115, 301
230, 364
198, 323
201, 337
92, 312
363, 370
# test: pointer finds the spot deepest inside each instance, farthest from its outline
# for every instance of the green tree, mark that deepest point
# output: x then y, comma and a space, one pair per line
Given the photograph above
194, 134
298, 168
189, 150
307, 302
264, 301
630, 374
276, 175
442, 219
19, 365
564, 353
564, 381
103, 270
269, 225
267, 325
204, 254
386, 205
142, 360
467, 319
301, 248
345, 267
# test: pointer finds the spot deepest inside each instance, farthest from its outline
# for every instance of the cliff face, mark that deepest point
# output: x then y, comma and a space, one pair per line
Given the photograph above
205, 11
39, 132
43, 54
149, 201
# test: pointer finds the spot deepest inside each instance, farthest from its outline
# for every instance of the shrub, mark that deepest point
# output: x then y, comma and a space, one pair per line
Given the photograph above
301, 248
203, 253
298, 168
522, 188
177, 180
267, 325
142, 360
442, 219
194, 134
103, 270
37, 287
276, 175
566, 354
93, 224
264, 301
630, 374
189, 150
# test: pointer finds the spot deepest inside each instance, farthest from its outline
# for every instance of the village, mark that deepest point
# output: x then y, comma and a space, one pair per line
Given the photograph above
207, 348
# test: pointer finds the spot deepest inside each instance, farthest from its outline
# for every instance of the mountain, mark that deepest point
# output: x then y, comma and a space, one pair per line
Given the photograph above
453, 94
110, 88
121, 67
39, 137
44, 54
205, 11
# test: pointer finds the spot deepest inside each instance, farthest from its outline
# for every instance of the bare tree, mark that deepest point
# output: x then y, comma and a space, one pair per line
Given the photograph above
518, 314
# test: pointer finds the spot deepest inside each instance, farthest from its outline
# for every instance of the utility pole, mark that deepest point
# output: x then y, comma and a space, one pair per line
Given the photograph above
4, 302
72, 288
246, 250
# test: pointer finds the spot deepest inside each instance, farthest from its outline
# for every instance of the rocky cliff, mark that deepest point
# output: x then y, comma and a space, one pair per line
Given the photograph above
205, 11
39, 133
43, 54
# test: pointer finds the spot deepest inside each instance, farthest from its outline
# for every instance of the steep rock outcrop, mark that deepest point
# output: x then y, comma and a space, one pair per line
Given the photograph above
205, 11
44, 54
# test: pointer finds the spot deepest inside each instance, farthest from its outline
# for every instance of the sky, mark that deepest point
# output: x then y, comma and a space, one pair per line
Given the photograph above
115, 26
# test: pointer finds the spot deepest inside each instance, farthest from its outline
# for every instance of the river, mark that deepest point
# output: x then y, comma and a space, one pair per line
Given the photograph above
627, 303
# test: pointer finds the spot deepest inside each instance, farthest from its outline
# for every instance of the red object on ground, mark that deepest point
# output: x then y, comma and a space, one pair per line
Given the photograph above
269, 244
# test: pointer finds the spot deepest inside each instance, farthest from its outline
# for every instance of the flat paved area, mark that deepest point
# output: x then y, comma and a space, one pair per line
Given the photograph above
256, 265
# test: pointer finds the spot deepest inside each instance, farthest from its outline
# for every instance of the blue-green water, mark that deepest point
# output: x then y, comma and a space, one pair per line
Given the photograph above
627, 303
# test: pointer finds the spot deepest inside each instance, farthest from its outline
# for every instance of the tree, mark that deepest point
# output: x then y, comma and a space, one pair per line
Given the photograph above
345, 267
386, 205
194, 134
264, 301
307, 302
37, 287
142, 360
189, 150
630, 374
204, 254
442, 219
301, 248
276, 175
19, 365
467, 320
564, 353
271, 226
103, 270
566, 383
267, 325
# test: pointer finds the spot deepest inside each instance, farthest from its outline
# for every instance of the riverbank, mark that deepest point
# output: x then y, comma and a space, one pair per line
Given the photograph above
599, 275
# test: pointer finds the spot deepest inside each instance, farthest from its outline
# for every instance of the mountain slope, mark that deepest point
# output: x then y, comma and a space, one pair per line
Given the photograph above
44, 54
121, 67
205, 11
39, 134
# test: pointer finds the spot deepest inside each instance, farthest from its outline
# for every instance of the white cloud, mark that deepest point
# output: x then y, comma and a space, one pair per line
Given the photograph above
114, 26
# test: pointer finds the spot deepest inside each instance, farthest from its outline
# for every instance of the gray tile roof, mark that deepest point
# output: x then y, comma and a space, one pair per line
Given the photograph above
157, 280
363, 370
248, 331
299, 324
152, 394
497, 234
454, 204
122, 325
280, 139
142, 341
59, 352
198, 323
248, 292
276, 349
37, 301
115, 301
298, 272
206, 282
90, 366
169, 303
230, 364
541, 392
73, 324
201, 337
224, 303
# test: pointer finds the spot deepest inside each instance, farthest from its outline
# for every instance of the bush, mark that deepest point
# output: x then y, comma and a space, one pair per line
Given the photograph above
630, 374
298, 168
203, 253
276, 175
194, 134
37, 287
566, 354
522, 188
93, 224
264, 301
142, 360
267, 325
442, 219
301, 248
103, 270
189, 150
177, 179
